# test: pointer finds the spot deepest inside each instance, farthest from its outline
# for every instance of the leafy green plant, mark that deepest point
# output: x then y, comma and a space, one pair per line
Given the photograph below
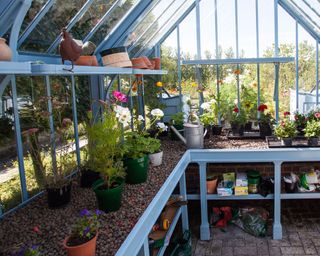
312, 129
300, 119
136, 145
238, 117
28, 251
177, 119
207, 119
286, 129
104, 147
154, 145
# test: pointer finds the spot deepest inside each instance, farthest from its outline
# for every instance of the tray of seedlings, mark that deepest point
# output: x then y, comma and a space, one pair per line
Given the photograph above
299, 141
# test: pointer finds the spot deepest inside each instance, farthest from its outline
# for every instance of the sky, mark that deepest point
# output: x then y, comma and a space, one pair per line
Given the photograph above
246, 25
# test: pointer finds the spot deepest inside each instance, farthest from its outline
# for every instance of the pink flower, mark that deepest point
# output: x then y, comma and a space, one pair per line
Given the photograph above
317, 115
236, 110
119, 96
36, 229
285, 114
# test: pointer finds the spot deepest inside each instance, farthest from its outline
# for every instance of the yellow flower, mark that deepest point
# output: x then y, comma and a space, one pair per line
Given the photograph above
247, 105
159, 84
254, 84
194, 84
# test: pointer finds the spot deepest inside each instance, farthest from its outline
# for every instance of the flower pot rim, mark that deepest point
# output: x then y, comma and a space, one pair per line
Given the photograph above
161, 151
101, 182
77, 246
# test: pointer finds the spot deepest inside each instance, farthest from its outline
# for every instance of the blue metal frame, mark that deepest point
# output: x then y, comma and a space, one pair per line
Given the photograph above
277, 66
8, 12
258, 55
179, 66
75, 120
237, 51
317, 73
72, 22
217, 57
297, 65
35, 21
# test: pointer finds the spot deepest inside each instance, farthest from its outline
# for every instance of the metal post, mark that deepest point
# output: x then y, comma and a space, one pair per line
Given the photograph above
146, 247
17, 128
204, 228
198, 73
237, 51
258, 55
141, 99
75, 120
184, 208
297, 66
217, 53
179, 66
277, 228
276, 54
317, 73
131, 101
51, 125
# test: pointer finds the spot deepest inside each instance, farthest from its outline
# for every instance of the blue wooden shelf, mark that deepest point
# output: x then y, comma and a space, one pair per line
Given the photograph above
233, 197
149, 72
11, 68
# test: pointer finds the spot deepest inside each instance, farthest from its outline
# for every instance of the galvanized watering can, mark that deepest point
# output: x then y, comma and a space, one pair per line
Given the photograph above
193, 134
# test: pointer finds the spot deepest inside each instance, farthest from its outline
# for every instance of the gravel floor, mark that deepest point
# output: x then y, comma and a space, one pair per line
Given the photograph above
54, 225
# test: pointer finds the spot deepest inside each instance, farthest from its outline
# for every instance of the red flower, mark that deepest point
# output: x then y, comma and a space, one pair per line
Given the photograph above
262, 107
317, 115
36, 229
296, 117
236, 110
285, 114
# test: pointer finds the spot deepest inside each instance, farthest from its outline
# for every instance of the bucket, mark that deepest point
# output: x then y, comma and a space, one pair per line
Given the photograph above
137, 169
194, 133
253, 181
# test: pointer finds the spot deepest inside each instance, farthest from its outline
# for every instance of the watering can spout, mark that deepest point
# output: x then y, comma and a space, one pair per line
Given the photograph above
178, 134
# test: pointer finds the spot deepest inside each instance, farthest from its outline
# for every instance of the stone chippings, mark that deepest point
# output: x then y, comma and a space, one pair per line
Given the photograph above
17, 229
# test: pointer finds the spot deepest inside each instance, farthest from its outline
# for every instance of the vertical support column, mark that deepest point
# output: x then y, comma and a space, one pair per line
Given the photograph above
179, 67
75, 120
258, 54
131, 101
297, 65
184, 208
51, 125
146, 247
277, 227
217, 53
237, 51
198, 73
23, 184
317, 73
276, 54
140, 84
204, 228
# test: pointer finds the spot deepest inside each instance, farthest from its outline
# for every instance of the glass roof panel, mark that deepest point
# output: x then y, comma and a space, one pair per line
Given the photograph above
51, 24
36, 6
91, 18
154, 34
310, 10
119, 12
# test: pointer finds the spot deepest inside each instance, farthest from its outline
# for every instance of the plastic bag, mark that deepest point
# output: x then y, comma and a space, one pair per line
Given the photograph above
182, 245
253, 221
221, 216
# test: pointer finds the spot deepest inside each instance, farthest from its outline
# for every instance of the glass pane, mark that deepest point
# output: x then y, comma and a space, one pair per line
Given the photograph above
36, 6
152, 36
247, 29
10, 190
304, 8
226, 28
266, 28
207, 26
119, 12
51, 24
97, 9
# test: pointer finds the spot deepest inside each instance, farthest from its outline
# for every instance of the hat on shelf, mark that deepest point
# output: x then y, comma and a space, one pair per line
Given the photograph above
116, 57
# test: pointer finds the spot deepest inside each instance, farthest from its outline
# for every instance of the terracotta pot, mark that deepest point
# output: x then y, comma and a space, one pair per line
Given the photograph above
86, 249
212, 185
86, 61
157, 63
5, 51
141, 63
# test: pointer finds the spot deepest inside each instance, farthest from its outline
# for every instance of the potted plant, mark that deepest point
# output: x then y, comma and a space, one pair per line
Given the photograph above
286, 130
177, 121
84, 234
312, 132
301, 122
154, 148
265, 121
211, 184
28, 251
238, 120
209, 118
106, 153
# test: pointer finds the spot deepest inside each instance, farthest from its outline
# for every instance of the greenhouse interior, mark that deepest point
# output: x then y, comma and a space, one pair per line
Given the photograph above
159, 127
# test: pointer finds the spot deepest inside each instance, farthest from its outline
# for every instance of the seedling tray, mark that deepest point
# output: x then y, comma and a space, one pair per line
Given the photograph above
246, 135
297, 142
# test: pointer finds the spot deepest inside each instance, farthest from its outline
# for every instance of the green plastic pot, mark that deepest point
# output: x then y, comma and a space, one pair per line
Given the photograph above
137, 169
253, 181
109, 200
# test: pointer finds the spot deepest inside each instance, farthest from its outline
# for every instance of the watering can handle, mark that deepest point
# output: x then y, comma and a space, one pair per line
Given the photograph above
196, 116
205, 132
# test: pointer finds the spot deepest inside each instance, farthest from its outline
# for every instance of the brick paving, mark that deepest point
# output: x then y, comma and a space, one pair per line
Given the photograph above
301, 235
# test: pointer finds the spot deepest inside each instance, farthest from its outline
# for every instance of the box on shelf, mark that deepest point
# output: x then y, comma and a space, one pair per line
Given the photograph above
241, 190
229, 176
312, 177
225, 188
242, 179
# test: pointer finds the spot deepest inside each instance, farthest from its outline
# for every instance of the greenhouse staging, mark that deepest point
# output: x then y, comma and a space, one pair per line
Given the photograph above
159, 127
